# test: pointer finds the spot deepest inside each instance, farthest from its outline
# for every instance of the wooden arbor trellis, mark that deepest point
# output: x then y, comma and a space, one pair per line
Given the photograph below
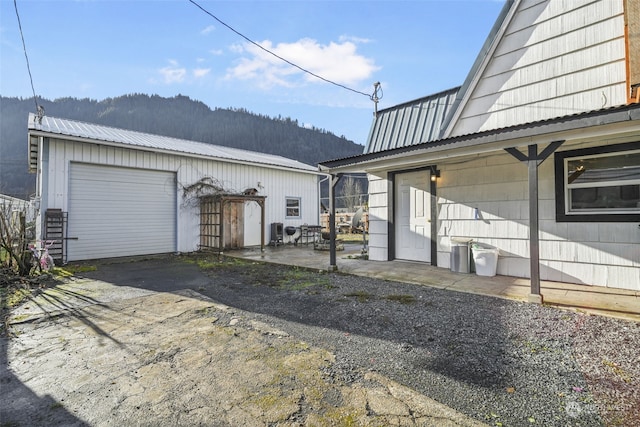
217, 219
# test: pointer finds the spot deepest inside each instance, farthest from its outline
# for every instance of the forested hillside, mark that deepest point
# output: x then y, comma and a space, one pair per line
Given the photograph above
179, 117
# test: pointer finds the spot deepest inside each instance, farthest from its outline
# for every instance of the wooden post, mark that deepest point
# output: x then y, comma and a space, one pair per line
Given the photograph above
332, 221
261, 203
534, 227
533, 160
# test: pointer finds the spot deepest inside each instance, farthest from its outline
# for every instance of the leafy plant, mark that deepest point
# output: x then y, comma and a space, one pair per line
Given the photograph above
14, 252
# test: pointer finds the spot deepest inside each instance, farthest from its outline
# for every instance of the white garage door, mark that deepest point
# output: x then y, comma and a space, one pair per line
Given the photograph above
120, 212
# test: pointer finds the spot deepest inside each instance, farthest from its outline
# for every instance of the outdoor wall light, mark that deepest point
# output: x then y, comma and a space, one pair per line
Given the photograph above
435, 174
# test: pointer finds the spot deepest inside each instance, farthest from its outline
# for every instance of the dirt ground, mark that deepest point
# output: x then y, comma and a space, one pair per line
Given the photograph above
91, 352
199, 340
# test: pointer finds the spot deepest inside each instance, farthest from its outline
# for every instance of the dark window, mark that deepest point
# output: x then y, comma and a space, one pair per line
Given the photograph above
598, 184
293, 207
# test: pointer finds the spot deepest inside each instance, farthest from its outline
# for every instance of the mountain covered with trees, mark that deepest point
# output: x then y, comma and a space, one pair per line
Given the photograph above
178, 117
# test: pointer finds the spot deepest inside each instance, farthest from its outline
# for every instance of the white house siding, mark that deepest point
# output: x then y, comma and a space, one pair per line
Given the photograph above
275, 184
602, 254
497, 187
556, 58
378, 217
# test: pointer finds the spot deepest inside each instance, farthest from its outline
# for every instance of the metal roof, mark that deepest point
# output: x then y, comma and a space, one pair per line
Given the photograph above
51, 126
426, 119
411, 123
522, 132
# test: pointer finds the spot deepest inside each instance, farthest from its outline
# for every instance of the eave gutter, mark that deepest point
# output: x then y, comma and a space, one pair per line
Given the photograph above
515, 136
54, 135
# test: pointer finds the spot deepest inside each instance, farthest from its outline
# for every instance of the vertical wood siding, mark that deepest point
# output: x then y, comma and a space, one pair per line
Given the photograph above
275, 184
556, 58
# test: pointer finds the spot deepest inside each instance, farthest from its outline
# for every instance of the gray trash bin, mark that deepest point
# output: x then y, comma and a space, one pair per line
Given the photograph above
460, 260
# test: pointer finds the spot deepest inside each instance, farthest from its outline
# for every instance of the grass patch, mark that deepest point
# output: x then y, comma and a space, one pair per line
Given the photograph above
350, 237
207, 263
361, 296
12, 293
534, 347
402, 299
298, 279
20, 318
14, 296
617, 370
71, 269
218, 262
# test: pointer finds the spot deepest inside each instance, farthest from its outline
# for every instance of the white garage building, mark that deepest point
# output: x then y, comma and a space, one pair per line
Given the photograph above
107, 192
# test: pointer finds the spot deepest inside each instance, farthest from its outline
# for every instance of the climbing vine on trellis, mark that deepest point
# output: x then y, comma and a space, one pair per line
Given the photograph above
205, 186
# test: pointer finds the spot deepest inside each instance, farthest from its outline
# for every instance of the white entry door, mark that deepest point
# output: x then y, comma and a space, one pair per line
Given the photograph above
412, 210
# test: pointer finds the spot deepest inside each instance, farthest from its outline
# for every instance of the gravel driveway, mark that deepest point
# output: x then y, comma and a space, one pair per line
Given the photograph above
501, 362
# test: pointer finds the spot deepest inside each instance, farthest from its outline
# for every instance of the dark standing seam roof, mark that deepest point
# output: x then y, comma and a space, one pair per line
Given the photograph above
410, 123
426, 119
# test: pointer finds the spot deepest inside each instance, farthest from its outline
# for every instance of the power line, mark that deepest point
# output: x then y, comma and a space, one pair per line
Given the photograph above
280, 57
39, 108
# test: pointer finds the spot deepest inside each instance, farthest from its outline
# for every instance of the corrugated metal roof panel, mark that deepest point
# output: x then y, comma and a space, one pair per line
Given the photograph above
411, 123
572, 122
91, 131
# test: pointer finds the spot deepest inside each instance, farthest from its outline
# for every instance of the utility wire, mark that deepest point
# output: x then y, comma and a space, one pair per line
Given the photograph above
39, 109
278, 56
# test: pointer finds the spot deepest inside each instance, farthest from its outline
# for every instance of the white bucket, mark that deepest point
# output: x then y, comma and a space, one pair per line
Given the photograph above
486, 260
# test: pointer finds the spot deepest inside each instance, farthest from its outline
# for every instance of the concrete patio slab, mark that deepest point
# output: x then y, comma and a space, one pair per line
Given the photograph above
612, 302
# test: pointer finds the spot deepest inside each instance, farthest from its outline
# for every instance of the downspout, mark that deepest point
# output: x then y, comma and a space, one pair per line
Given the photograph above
326, 177
434, 175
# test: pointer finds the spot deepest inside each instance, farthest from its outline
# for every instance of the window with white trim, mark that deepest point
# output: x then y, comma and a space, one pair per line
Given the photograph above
293, 207
598, 184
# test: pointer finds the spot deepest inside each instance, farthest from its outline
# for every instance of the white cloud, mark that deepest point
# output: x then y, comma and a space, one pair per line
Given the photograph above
216, 52
345, 38
173, 73
201, 72
338, 62
207, 30
236, 48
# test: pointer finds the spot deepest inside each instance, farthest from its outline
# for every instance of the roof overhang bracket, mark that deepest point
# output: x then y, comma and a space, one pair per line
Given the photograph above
533, 152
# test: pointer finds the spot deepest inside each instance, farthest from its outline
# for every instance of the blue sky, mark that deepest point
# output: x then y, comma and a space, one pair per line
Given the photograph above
106, 48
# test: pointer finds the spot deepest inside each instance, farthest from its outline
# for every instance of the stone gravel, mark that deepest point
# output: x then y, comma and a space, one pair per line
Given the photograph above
502, 362
497, 361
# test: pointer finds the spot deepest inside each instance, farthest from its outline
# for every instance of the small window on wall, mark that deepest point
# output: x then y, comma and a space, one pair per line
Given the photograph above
293, 207
600, 184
